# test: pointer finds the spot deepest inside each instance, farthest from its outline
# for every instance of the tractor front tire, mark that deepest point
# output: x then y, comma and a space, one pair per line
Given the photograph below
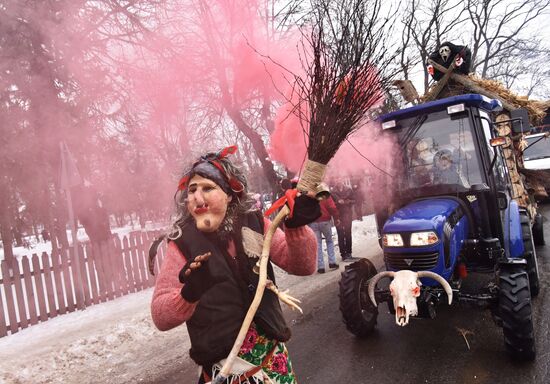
515, 312
530, 254
358, 312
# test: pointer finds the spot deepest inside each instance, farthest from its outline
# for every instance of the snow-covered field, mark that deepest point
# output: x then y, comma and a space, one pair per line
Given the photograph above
116, 342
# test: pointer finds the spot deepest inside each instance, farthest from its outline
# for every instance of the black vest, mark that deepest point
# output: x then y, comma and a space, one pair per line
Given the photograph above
220, 312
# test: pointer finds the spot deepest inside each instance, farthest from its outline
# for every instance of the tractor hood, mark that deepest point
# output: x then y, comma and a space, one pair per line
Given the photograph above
421, 215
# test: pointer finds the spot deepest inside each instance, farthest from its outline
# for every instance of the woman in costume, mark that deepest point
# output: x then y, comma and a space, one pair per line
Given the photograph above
207, 279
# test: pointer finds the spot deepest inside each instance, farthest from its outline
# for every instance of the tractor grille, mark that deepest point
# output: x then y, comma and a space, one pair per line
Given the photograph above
413, 261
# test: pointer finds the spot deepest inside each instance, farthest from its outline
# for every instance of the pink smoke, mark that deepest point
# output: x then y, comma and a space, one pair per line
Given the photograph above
366, 155
365, 147
146, 99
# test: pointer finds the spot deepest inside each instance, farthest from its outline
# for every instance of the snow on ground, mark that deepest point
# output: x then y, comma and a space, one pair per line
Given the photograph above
116, 342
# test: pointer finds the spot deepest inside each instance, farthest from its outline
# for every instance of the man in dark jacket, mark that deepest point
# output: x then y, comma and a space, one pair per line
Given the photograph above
344, 198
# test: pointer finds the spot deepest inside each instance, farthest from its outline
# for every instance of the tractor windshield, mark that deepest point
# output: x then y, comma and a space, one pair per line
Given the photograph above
438, 153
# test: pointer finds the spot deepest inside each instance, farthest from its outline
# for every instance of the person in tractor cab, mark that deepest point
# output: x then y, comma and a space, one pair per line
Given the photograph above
445, 169
207, 279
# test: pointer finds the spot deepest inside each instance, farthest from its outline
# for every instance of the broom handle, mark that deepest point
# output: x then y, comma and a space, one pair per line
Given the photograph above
224, 373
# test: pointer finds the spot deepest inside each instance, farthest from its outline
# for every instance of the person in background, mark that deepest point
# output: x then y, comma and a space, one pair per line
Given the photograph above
344, 199
445, 169
259, 202
359, 199
45, 235
207, 280
322, 227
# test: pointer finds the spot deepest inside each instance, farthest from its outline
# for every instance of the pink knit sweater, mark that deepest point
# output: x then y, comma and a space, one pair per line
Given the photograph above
294, 250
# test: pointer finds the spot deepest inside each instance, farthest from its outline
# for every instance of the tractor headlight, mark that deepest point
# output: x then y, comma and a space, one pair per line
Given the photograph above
423, 238
392, 240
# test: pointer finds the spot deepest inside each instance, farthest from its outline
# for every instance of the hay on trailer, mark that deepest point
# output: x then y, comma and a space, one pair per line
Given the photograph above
460, 84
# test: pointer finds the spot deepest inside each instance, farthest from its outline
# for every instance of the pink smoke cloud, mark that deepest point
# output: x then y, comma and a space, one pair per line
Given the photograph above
364, 147
365, 157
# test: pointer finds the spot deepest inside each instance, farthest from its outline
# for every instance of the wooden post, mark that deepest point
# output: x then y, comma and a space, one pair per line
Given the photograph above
56, 268
135, 264
128, 264
67, 183
85, 281
33, 318
37, 272
19, 294
122, 273
3, 326
92, 275
52, 308
10, 302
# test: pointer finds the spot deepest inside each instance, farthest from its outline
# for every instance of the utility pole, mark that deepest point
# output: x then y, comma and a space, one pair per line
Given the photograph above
71, 178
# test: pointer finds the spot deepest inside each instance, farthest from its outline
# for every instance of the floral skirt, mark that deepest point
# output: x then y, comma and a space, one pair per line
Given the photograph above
272, 356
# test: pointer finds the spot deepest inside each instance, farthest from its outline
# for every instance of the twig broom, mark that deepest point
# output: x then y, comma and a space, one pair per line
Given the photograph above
340, 86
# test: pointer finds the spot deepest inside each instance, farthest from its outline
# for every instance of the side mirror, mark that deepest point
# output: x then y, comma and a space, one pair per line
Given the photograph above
520, 120
502, 200
497, 141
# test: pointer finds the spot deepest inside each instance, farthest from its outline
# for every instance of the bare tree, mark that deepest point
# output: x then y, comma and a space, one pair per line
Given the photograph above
501, 30
501, 34
220, 42
348, 67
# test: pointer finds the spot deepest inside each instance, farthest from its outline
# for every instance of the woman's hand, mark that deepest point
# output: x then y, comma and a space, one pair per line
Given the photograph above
196, 278
306, 210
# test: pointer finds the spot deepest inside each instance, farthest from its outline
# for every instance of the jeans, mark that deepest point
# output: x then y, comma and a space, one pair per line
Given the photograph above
323, 228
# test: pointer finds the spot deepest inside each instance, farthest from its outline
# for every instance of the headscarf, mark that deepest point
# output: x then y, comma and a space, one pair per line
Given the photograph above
211, 167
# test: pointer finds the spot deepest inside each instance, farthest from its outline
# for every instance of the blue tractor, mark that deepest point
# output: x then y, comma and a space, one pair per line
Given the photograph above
453, 214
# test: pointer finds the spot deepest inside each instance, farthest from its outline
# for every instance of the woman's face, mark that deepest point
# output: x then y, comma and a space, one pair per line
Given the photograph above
207, 203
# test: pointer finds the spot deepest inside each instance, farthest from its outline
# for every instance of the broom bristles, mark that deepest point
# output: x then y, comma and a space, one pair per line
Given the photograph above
338, 110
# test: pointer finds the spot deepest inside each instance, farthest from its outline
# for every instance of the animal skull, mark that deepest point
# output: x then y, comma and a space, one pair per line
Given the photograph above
405, 288
445, 52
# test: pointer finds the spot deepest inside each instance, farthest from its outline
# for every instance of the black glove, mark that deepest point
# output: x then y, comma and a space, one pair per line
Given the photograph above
306, 210
197, 282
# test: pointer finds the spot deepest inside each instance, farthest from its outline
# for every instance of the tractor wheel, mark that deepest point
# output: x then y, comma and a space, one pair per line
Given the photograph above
514, 307
358, 312
538, 230
530, 255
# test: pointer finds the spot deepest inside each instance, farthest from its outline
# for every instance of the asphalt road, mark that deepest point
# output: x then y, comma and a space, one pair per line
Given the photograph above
426, 351
461, 345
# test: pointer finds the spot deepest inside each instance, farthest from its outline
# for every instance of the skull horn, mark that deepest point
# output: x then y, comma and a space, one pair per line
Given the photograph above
375, 279
440, 280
